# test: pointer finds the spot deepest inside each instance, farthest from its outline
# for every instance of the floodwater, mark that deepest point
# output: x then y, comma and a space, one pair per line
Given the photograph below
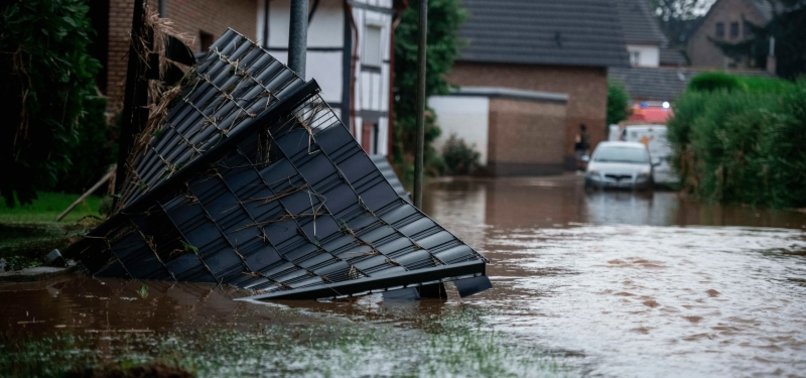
585, 284
632, 284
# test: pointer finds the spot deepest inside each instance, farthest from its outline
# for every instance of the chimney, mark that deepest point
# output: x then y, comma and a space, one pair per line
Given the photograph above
771, 63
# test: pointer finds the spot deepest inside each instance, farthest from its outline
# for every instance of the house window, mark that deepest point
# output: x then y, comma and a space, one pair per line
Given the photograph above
635, 58
720, 30
205, 40
734, 30
372, 46
746, 30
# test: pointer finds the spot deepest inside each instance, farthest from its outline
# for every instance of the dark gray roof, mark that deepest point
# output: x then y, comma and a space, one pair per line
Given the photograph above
652, 83
550, 32
659, 83
672, 57
638, 23
764, 7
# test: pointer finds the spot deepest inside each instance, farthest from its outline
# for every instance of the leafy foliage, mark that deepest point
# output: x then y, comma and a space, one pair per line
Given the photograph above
714, 81
49, 77
443, 46
743, 145
460, 158
617, 102
679, 18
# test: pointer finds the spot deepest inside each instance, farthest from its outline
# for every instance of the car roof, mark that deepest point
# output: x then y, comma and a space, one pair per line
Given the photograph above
621, 144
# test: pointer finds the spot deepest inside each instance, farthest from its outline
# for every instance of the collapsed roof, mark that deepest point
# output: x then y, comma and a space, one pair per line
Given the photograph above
251, 180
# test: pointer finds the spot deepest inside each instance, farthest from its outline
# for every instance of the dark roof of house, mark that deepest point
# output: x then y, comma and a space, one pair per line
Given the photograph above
764, 7
652, 83
659, 83
672, 57
638, 23
548, 32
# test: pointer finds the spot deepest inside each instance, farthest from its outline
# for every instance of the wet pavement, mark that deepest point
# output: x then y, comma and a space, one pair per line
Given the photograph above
585, 283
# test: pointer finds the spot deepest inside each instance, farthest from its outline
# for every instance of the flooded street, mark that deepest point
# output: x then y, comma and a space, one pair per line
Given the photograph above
585, 284
637, 284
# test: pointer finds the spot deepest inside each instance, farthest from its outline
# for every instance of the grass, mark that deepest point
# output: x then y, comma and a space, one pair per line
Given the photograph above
48, 206
456, 343
28, 232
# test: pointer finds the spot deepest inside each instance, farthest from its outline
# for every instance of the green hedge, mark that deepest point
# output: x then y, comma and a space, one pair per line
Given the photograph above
746, 144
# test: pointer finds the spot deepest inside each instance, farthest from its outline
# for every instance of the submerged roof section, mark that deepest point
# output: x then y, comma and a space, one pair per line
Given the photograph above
548, 32
253, 181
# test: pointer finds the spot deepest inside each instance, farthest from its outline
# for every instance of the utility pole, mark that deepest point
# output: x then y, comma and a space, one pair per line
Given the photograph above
418, 159
298, 37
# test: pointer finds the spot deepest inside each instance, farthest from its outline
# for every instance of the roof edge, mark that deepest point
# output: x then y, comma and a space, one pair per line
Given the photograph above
510, 93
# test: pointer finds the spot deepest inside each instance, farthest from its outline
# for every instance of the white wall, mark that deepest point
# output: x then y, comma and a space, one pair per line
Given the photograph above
467, 117
648, 55
324, 61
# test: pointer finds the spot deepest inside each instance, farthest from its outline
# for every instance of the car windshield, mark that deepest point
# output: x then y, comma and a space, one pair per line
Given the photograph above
621, 155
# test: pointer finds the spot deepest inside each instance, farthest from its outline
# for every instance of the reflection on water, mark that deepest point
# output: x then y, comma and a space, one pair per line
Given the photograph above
560, 201
637, 284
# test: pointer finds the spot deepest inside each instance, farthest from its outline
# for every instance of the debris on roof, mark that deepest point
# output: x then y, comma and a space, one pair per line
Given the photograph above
251, 180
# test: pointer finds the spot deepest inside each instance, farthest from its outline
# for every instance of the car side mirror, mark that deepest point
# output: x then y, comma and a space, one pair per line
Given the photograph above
655, 162
586, 158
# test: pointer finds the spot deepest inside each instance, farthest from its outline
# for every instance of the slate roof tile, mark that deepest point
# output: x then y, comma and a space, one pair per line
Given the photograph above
568, 32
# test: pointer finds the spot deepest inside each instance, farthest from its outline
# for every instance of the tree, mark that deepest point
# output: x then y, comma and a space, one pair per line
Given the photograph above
678, 18
49, 77
617, 102
443, 46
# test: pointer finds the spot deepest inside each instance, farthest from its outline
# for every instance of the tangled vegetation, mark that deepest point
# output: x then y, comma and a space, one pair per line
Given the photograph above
742, 140
50, 100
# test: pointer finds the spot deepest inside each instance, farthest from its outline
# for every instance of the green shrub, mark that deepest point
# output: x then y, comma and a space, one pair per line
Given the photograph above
765, 84
459, 157
617, 102
714, 81
743, 146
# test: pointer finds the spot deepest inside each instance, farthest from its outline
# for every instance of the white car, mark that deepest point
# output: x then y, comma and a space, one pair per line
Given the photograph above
625, 165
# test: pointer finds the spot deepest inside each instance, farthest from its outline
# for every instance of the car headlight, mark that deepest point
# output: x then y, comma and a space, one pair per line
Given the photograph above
642, 176
594, 173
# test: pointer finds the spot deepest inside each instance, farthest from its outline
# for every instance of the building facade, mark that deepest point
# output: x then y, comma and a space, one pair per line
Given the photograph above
725, 22
545, 46
349, 55
349, 49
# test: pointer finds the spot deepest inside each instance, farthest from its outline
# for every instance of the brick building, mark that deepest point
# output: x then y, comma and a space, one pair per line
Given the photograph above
725, 21
515, 131
543, 46
200, 21
349, 49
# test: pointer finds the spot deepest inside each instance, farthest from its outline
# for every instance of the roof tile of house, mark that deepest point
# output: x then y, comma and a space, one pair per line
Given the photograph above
638, 23
548, 32
672, 57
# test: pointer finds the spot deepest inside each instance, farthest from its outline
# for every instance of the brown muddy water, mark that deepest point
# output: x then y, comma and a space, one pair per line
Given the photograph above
585, 284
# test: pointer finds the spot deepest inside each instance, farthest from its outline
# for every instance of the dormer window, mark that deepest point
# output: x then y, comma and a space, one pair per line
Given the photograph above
720, 30
635, 58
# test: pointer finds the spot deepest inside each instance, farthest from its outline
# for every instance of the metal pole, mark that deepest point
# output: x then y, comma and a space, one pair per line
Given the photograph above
298, 36
418, 159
